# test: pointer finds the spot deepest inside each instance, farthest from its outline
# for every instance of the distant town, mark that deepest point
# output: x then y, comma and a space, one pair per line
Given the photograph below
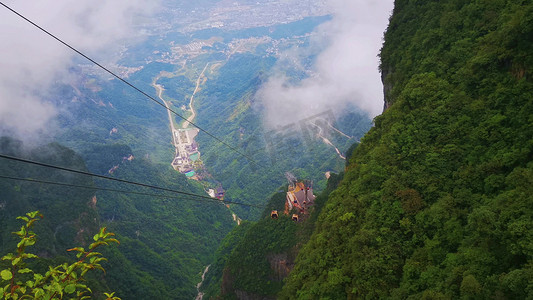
234, 15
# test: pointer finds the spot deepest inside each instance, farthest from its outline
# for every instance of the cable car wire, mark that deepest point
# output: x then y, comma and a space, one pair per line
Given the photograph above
200, 197
128, 83
104, 177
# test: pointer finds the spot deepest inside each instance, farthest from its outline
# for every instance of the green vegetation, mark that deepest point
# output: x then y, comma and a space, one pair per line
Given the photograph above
176, 90
213, 279
165, 242
437, 199
267, 243
247, 257
61, 281
255, 258
73, 217
240, 124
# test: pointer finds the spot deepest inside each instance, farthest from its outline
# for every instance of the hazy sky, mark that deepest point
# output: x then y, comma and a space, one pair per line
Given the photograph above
30, 61
345, 71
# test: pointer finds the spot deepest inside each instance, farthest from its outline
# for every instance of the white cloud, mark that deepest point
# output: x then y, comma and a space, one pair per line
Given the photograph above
30, 61
345, 71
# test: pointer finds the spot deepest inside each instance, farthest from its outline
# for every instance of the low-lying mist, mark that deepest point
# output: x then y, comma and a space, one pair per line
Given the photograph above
31, 62
344, 72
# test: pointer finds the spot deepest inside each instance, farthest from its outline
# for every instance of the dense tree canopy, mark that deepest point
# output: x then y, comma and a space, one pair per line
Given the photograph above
437, 200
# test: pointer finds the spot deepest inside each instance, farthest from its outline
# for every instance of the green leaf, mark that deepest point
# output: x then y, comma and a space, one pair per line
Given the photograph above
6, 274
71, 268
93, 254
112, 240
34, 214
79, 249
39, 293
29, 255
8, 256
99, 267
56, 287
71, 288
96, 244
29, 242
95, 260
15, 261
82, 286
83, 272
38, 277
25, 270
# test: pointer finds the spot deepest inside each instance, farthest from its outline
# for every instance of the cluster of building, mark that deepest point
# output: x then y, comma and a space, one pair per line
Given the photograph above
193, 48
187, 153
299, 198
217, 193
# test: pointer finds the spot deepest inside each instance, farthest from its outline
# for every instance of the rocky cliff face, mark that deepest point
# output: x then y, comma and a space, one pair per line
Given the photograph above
228, 289
258, 258
281, 264
242, 295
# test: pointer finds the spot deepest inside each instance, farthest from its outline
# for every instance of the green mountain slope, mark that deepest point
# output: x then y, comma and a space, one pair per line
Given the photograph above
167, 237
69, 217
165, 242
255, 258
228, 108
437, 200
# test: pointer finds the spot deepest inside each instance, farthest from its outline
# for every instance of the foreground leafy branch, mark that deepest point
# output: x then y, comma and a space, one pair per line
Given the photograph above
62, 281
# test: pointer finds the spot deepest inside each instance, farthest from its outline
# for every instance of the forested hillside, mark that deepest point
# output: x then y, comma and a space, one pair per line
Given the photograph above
437, 200
110, 129
255, 258
240, 123
165, 241
69, 219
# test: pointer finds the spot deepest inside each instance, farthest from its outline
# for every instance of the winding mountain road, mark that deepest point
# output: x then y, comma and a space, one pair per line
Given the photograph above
191, 101
327, 141
159, 88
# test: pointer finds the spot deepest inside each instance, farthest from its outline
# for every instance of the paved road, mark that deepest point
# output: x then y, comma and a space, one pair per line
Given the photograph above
191, 101
160, 90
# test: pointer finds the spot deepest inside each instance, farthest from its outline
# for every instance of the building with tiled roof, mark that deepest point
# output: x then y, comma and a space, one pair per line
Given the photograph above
300, 196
